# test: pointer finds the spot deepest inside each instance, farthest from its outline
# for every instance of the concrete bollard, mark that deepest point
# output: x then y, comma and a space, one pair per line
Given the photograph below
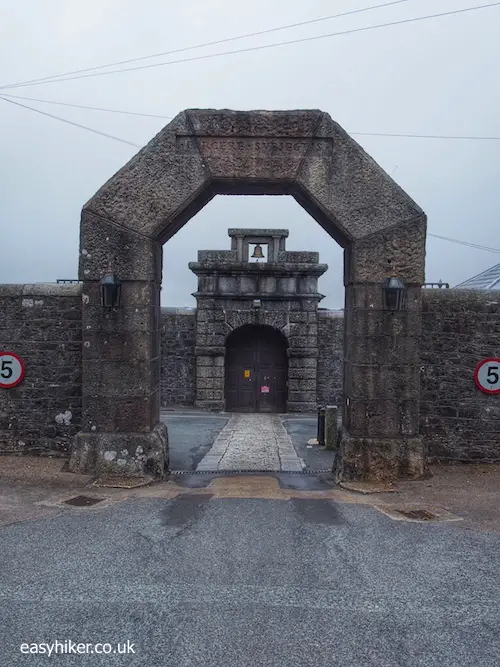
331, 427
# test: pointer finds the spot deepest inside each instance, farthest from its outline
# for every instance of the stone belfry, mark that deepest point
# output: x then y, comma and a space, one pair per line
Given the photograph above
257, 282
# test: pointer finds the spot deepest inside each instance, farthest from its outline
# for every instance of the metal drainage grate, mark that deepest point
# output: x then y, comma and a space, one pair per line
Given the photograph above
83, 501
423, 515
229, 473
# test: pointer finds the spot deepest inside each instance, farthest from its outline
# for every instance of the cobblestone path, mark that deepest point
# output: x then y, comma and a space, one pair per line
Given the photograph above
252, 442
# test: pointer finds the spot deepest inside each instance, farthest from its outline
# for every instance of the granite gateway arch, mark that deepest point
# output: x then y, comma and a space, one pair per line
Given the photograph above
200, 154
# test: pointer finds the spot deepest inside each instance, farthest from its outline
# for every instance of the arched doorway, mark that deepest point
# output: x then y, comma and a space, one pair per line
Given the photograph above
256, 370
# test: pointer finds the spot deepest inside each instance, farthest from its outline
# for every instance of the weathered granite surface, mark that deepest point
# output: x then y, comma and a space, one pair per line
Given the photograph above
178, 362
131, 455
202, 153
42, 324
287, 294
459, 329
329, 389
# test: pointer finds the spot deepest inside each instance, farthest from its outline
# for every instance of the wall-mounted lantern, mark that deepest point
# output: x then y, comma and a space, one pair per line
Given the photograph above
256, 304
394, 294
110, 292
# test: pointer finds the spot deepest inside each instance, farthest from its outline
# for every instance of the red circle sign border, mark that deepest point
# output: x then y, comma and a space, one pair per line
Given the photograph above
476, 376
4, 385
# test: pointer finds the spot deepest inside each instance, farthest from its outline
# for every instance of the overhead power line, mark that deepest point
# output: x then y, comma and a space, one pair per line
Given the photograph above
70, 122
151, 115
265, 46
424, 136
465, 243
130, 143
206, 44
82, 106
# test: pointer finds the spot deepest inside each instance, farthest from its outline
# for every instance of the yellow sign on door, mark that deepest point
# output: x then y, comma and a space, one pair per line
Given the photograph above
247, 374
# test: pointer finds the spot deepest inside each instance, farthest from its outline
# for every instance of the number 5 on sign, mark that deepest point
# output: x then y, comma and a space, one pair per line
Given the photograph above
11, 370
487, 376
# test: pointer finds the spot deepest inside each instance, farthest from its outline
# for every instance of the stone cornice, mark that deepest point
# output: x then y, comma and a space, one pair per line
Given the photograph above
247, 296
251, 268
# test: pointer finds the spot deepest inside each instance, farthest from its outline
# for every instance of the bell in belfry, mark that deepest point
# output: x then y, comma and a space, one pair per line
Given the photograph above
257, 252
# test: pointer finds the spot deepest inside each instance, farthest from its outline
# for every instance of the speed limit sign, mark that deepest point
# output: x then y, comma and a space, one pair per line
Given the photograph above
11, 370
487, 376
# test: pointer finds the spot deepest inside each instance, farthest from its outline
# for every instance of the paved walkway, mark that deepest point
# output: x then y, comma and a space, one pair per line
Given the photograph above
252, 442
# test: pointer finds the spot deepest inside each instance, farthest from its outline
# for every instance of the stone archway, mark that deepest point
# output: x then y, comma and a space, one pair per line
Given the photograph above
202, 153
256, 369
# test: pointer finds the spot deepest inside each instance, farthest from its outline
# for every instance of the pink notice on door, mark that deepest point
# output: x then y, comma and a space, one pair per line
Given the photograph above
265, 389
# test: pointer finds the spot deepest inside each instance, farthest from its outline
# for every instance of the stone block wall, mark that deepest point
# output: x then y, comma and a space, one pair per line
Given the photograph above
458, 421
302, 334
330, 357
296, 319
280, 292
211, 332
459, 328
178, 363
42, 324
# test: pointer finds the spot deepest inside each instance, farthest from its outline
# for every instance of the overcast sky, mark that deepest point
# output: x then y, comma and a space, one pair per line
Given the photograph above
430, 77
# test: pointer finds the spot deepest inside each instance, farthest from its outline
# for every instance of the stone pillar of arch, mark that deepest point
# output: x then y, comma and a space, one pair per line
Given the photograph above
199, 154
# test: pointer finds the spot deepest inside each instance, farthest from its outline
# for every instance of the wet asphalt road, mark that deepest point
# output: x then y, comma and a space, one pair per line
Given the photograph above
191, 434
250, 583
301, 429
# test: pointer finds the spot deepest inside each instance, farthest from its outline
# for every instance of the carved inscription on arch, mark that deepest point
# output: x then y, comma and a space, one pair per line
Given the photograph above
258, 147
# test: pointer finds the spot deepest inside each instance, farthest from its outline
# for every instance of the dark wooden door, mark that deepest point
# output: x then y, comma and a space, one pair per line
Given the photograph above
240, 380
256, 370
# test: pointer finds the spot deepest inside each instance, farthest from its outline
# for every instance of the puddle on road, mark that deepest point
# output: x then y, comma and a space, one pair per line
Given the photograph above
305, 482
317, 512
185, 509
83, 501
